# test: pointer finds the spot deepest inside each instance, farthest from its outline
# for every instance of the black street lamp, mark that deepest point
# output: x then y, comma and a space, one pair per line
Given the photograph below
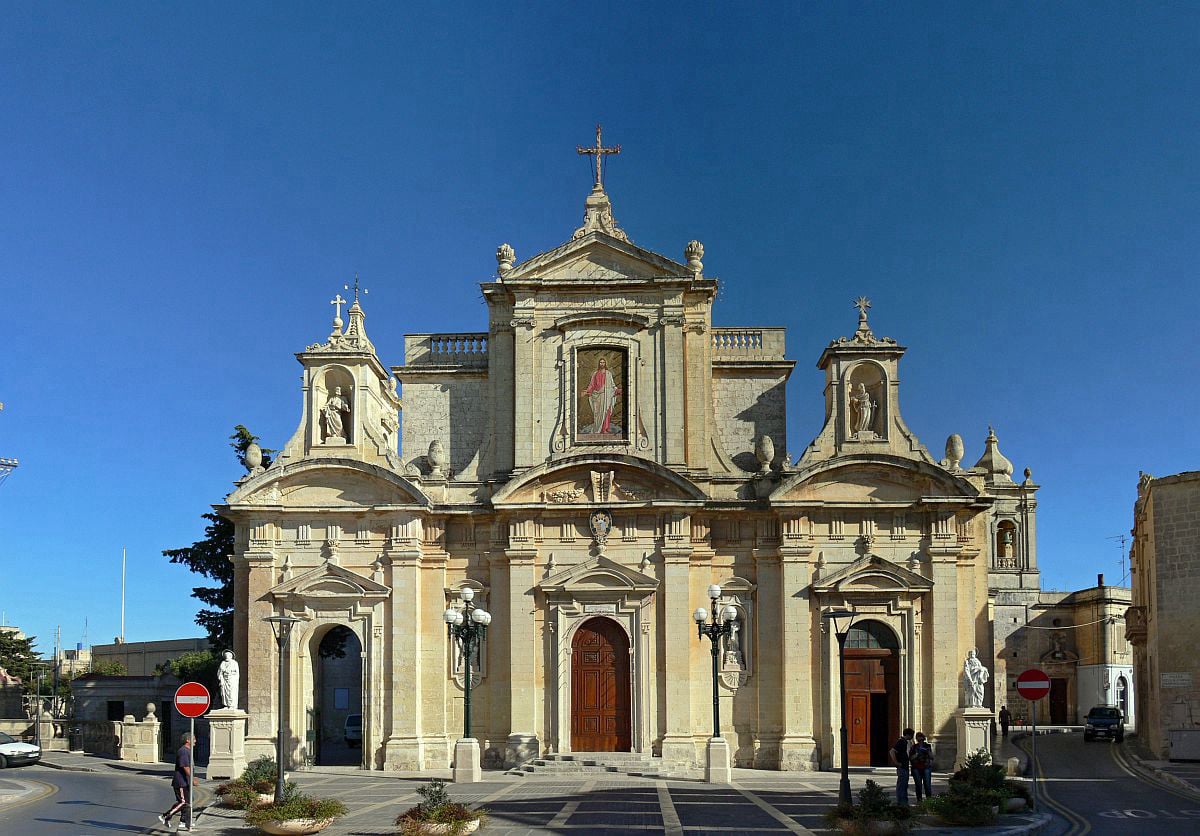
715, 630
467, 626
841, 621
281, 626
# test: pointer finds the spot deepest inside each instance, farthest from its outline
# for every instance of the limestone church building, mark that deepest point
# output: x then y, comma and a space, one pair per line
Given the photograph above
589, 464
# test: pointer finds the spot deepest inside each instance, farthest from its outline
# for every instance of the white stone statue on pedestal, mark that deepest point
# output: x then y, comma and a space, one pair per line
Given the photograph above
975, 676
229, 676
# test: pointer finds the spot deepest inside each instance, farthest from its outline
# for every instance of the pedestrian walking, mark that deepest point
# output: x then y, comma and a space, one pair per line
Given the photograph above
1005, 721
920, 759
180, 781
899, 756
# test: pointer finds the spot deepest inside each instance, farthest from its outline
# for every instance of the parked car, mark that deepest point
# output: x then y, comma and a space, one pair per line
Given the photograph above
1104, 720
15, 753
353, 731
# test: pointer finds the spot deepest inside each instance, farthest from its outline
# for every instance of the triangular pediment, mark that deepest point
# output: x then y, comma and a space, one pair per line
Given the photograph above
872, 573
329, 581
599, 578
599, 258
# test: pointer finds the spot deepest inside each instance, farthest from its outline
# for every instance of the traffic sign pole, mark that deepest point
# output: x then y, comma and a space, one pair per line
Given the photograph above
1033, 748
192, 777
192, 700
1033, 685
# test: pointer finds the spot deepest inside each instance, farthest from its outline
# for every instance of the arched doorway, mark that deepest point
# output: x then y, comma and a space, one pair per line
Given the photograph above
872, 692
600, 695
335, 722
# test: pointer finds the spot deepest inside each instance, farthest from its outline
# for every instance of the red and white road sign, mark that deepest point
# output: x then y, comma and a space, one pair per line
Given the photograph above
1033, 684
192, 699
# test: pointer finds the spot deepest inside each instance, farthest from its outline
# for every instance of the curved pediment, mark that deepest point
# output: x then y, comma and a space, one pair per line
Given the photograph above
597, 480
864, 481
327, 483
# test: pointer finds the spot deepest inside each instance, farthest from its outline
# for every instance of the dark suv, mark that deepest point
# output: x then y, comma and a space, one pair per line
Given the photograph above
1104, 720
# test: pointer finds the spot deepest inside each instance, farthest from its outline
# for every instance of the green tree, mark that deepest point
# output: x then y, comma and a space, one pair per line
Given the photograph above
18, 657
196, 666
210, 557
113, 668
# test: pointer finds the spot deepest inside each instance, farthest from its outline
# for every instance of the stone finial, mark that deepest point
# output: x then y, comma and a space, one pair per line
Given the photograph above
254, 458
438, 460
693, 252
764, 451
993, 462
150, 713
1028, 477
505, 257
954, 451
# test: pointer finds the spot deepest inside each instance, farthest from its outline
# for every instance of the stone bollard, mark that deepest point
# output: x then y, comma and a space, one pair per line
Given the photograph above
1013, 767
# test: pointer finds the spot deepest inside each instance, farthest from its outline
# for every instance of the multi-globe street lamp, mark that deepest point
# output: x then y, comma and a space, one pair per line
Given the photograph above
841, 621
721, 624
281, 627
467, 626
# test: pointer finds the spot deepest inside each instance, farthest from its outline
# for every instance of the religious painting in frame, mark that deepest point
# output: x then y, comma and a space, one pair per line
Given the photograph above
600, 406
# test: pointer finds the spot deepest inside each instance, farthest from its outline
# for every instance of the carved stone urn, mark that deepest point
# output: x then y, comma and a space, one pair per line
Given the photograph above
437, 459
254, 457
764, 451
954, 451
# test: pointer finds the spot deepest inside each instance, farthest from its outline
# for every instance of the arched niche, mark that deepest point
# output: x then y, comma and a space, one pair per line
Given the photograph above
335, 404
1006, 544
866, 390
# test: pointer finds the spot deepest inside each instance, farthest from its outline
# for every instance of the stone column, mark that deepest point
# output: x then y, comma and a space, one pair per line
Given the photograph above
678, 644
261, 654
404, 748
522, 743
433, 656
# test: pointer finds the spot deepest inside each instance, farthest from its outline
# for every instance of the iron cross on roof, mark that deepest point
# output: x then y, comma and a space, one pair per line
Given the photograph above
599, 152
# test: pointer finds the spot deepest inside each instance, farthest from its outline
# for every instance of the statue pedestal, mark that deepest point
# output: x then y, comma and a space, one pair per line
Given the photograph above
716, 761
974, 732
227, 743
466, 761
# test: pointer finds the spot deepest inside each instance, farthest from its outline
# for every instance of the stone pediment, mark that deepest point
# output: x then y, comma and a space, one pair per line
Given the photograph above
872, 573
597, 480
863, 482
598, 258
327, 483
599, 578
328, 587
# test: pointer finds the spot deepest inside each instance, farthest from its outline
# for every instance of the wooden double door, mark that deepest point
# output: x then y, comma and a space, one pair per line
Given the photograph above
872, 704
600, 696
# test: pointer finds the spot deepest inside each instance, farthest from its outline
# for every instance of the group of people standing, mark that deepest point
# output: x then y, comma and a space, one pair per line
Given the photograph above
912, 755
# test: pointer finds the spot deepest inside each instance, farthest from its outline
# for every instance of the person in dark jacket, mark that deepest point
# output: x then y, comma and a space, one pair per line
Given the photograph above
899, 756
1005, 721
179, 785
920, 761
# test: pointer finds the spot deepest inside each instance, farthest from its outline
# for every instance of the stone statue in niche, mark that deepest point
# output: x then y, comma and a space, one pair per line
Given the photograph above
336, 415
733, 647
229, 676
862, 411
1059, 646
975, 676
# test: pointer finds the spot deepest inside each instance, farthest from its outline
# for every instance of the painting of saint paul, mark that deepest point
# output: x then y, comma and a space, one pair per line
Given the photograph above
600, 408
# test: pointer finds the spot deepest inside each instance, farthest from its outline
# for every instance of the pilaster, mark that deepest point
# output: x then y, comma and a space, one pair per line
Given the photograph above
523, 693
405, 749
679, 640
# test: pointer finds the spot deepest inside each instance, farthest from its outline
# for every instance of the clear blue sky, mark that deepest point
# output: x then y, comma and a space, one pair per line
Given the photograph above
183, 187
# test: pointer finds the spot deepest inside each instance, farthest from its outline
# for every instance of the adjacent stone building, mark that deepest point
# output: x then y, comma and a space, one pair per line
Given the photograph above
588, 466
1164, 621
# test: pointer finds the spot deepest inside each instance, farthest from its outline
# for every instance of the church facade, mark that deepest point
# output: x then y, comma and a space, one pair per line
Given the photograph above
588, 466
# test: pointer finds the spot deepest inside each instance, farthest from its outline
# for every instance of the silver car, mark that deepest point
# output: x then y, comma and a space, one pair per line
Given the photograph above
15, 753
353, 733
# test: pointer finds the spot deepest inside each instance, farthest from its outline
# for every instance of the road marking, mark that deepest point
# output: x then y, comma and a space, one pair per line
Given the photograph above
669, 814
50, 790
1077, 821
786, 821
1119, 757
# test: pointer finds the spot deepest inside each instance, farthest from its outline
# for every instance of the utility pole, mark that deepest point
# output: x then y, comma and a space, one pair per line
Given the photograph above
122, 594
1123, 538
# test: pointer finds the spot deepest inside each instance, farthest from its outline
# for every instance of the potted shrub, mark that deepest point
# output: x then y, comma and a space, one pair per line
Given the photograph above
875, 814
976, 795
296, 815
256, 785
437, 814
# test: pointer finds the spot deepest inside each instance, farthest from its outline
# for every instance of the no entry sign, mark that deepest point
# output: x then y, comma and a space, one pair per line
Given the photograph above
192, 699
1033, 684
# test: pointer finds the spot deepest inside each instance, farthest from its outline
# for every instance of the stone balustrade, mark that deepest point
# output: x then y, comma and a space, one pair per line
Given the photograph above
446, 349
748, 343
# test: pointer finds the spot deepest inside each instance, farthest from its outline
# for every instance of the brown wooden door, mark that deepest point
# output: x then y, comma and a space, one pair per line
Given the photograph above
600, 696
872, 704
1058, 702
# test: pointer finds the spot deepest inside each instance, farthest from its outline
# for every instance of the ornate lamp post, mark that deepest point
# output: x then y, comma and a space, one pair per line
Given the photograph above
717, 768
468, 627
841, 621
281, 627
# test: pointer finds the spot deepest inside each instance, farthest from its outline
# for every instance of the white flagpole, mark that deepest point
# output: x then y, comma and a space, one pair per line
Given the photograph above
122, 593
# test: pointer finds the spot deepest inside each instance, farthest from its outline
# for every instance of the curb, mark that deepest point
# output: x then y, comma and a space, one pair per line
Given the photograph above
66, 768
1161, 774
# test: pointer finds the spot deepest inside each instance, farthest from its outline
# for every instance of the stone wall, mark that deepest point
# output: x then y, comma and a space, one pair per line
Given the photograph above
453, 411
746, 406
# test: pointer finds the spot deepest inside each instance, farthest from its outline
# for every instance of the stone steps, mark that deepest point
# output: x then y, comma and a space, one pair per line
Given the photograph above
634, 764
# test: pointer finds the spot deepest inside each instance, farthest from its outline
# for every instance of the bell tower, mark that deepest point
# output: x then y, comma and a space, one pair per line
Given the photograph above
350, 402
862, 398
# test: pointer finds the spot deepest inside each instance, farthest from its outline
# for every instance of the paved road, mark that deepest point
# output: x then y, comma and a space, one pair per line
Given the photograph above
121, 798
1095, 791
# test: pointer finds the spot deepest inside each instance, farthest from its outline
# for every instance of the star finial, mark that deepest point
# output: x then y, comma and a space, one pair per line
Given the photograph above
347, 287
862, 303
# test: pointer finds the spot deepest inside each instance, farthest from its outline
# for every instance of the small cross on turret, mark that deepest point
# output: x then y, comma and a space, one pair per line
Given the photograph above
599, 152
